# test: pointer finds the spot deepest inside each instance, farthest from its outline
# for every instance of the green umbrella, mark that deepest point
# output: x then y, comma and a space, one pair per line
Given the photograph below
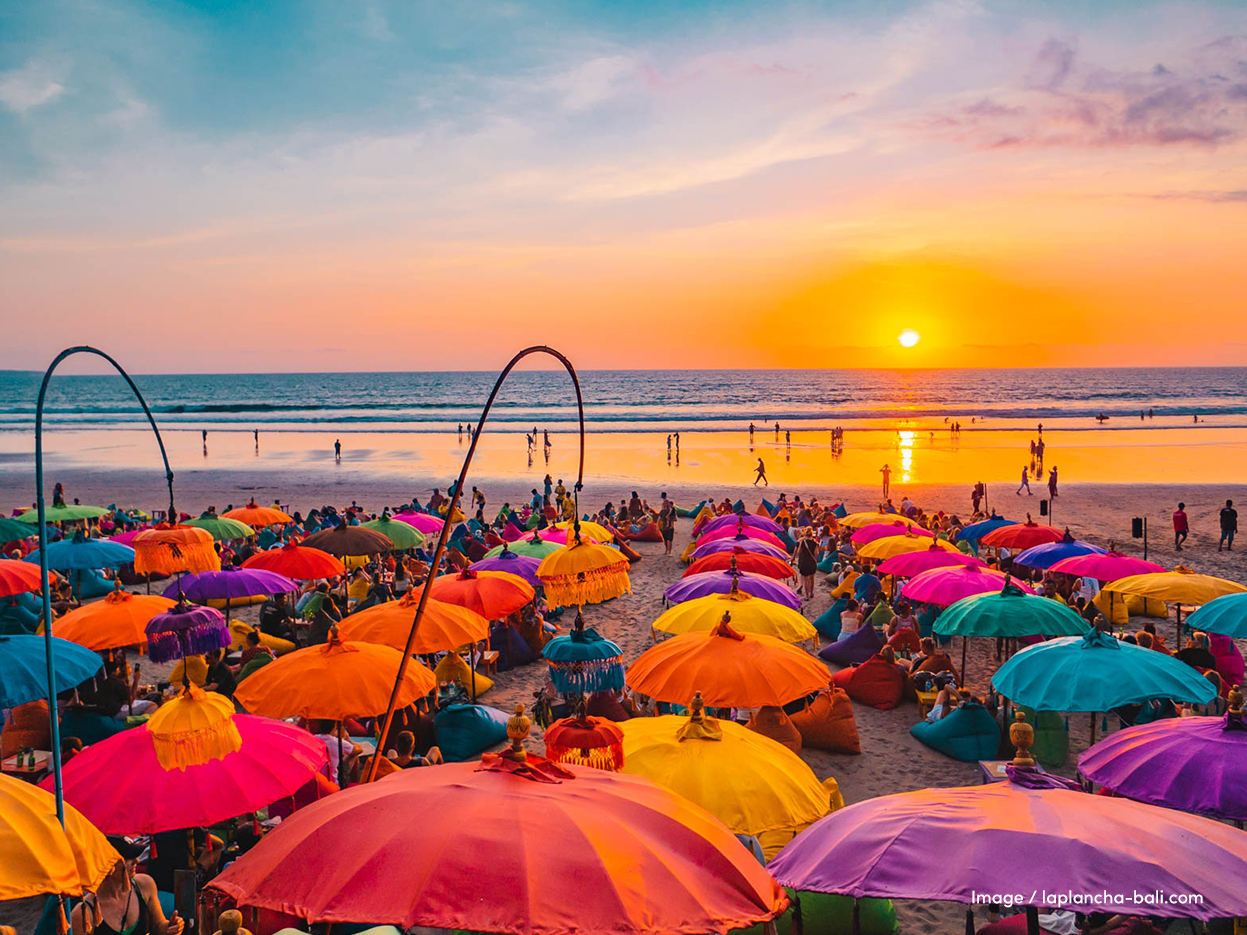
403, 535
534, 545
11, 529
222, 528
1009, 612
62, 513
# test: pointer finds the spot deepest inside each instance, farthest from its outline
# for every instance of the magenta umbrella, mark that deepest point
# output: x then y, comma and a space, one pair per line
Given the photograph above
873, 531
744, 543
127, 537
911, 564
1107, 567
722, 582
424, 522
944, 586
730, 532
523, 565
119, 784
732, 520
1004, 838
1196, 764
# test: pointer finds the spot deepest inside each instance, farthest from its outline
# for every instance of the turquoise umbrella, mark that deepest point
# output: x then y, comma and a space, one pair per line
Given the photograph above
11, 530
24, 667
1226, 615
83, 554
1009, 612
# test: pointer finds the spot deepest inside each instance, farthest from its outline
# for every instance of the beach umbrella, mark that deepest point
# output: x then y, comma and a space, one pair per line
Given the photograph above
560, 536
584, 662
1021, 536
601, 853
333, 681
748, 781
1049, 553
422, 522
444, 627
855, 520
585, 741
18, 577
721, 582
728, 668
24, 667
1195, 764
258, 516
83, 554
127, 537
586, 529
583, 573
743, 543
186, 630
891, 546
735, 520
1096, 672
1013, 839
911, 564
1180, 586
11, 530
167, 549
1104, 566
121, 785
748, 532
875, 531
349, 540
297, 561
944, 586
120, 619
525, 566
231, 584
62, 512
532, 547
1226, 615
747, 614
38, 856
1009, 612
403, 535
742, 561
976, 531
492, 594
222, 528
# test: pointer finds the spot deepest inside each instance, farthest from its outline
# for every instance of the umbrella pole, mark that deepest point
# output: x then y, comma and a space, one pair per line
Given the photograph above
1032, 920
341, 764
964, 641
969, 920
1092, 727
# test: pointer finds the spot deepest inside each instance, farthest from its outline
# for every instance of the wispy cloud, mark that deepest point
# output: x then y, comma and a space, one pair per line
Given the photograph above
24, 89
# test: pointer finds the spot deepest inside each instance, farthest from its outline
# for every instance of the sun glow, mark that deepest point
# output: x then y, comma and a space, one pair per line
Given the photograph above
909, 337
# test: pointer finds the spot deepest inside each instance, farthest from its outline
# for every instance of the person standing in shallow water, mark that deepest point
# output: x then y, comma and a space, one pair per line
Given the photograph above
337, 449
887, 479
761, 469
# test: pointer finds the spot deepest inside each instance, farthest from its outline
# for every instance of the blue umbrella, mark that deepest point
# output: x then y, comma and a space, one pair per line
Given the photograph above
584, 662
1226, 615
83, 554
24, 667
1048, 554
976, 531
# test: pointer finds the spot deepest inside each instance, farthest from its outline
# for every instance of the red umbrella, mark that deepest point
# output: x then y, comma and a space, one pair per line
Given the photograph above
742, 561
528, 848
297, 561
19, 577
492, 594
1107, 567
1021, 536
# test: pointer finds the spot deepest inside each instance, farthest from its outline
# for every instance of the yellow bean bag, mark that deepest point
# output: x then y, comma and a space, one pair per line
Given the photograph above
707, 512
687, 554
196, 668
454, 668
219, 602
845, 586
355, 561
239, 630
1119, 608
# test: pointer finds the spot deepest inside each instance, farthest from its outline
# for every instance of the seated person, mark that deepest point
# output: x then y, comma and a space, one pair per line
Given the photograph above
850, 619
904, 618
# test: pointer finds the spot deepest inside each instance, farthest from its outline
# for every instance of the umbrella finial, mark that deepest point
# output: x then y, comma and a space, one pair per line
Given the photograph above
699, 727
518, 726
1021, 735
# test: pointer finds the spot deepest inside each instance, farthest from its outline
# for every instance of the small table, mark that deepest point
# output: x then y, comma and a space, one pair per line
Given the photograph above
925, 701
25, 772
994, 770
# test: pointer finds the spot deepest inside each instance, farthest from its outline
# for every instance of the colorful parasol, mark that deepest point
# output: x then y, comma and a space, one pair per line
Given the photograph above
167, 549
587, 530
492, 594
297, 561
747, 615
1181, 586
857, 520
744, 561
221, 528
403, 535
186, 630
258, 516
1021, 536
120, 619
1226, 615
12, 531
17, 577
62, 512
585, 741
584, 662
1010, 612
976, 531
422, 522
24, 667
891, 546
445, 627
734, 520
729, 669
721, 582
83, 554
912, 564
230, 583
525, 566
349, 540
749, 532
1048, 554
944, 586
743, 543
1105, 566
583, 573
37, 855
870, 533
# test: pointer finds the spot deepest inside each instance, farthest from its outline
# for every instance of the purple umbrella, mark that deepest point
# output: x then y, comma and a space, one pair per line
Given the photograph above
1196, 764
720, 582
1007, 838
764, 523
186, 630
742, 542
230, 583
523, 565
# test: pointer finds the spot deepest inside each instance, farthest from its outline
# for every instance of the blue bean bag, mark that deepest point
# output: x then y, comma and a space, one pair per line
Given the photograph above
828, 622
88, 584
827, 564
465, 730
824, 914
18, 614
513, 650
866, 586
738, 506
968, 734
853, 650
786, 538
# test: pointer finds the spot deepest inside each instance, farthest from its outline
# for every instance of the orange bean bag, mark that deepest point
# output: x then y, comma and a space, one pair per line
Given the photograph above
649, 534
827, 723
770, 721
876, 682
905, 641
631, 554
27, 726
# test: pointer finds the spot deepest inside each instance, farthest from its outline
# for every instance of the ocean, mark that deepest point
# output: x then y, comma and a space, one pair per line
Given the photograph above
639, 401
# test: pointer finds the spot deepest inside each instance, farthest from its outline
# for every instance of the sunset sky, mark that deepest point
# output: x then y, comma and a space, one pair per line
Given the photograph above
341, 185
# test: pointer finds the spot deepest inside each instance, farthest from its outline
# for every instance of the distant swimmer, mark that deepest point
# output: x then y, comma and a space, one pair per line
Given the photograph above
761, 469
256, 433
337, 449
751, 433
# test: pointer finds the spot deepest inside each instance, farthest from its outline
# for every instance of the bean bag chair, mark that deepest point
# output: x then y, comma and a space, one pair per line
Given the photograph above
19, 614
1051, 745
854, 649
866, 586
827, 723
738, 506
905, 641
687, 555
926, 620
512, 532
823, 914
1011, 925
876, 682
492, 539
239, 630
196, 668
513, 650
631, 554
1229, 659
766, 508
604, 704
466, 730
256, 663
828, 622
827, 563
453, 668
89, 584
786, 538
681, 511
968, 733
880, 617
845, 587
219, 602
26, 726
770, 721
940, 662
648, 533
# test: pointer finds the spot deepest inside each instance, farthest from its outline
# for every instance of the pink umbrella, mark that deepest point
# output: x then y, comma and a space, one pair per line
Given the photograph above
127, 538
422, 521
911, 564
750, 532
881, 530
1107, 567
120, 786
944, 586
740, 542
732, 520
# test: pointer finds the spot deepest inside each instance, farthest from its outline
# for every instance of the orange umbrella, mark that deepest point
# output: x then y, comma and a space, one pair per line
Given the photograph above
492, 594
254, 515
116, 621
297, 561
730, 669
17, 577
332, 682
167, 549
444, 627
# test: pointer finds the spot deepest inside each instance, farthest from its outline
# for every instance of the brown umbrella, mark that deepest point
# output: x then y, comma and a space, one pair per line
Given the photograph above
349, 540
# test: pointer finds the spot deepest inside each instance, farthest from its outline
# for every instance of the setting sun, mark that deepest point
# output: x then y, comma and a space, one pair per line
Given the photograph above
909, 337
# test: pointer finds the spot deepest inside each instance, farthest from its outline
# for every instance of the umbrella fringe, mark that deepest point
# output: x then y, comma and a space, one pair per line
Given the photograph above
169, 558
610, 757
196, 747
589, 587
172, 645
587, 676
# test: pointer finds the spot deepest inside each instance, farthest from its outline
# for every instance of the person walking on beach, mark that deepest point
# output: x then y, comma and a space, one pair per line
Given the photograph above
546, 433
1052, 483
787, 438
1026, 483
976, 496
761, 469
460, 431
751, 434
668, 447
1181, 527
256, 434
887, 479
1229, 526
337, 449
677, 444
777, 431
666, 526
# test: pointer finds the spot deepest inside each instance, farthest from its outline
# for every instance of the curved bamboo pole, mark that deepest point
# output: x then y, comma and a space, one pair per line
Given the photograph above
436, 561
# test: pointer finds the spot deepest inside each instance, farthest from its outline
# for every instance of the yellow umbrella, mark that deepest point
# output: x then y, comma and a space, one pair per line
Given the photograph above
37, 855
746, 614
751, 783
889, 546
443, 628
854, 520
588, 530
584, 573
1181, 586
